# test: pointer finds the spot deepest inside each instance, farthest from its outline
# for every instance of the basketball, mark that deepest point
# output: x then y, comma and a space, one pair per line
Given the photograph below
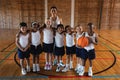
83, 41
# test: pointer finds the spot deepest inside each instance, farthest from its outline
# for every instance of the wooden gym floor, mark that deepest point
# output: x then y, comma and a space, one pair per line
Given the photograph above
105, 66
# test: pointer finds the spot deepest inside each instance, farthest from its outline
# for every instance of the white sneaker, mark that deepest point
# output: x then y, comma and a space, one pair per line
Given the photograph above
81, 72
37, 67
65, 69
28, 68
46, 67
34, 67
55, 62
79, 69
61, 64
58, 69
90, 73
71, 66
49, 67
23, 71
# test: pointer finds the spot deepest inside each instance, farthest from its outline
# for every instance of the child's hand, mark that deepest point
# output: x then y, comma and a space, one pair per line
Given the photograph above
22, 49
25, 49
78, 46
90, 40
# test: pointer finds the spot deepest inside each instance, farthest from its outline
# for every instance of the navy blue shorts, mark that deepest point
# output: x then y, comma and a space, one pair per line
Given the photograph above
48, 48
36, 50
79, 51
88, 54
59, 51
70, 50
23, 55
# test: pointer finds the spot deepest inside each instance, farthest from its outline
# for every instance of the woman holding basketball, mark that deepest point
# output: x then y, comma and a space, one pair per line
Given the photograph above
89, 51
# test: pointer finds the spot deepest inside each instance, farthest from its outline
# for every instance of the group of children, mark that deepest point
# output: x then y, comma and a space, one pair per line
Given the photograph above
55, 43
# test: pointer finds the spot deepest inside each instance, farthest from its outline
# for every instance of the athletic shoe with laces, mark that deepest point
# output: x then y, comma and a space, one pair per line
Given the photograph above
65, 69
71, 66
37, 67
46, 67
90, 73
34, 67
55, 62
23, 71
61, 64
58, 69
28, 68
79, 69
49, 67
81, 72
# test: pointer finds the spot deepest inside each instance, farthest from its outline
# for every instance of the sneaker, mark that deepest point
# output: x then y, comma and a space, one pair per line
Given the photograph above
49, 67
46, 67
38, 68
61, 64
81, 72
90, 73
23, 71
58, 69
65, 69
28, 68
34, 68
55, 62
71, 66
79, 69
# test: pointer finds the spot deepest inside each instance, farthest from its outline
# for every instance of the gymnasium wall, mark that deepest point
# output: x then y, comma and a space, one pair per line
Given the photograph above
111, 14
105, 14
86, 11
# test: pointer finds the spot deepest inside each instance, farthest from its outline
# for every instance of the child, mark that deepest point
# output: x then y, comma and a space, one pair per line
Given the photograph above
48, 44
23, 44
79, 34
89, 52
70, 48
36, 48
59, 46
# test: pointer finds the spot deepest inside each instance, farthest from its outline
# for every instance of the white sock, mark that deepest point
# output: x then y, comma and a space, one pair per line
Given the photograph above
37, 67
34, 65
49, 63
37, 64
90, 68
61, 61
46, 62
67, 65
71, 62
78, 65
